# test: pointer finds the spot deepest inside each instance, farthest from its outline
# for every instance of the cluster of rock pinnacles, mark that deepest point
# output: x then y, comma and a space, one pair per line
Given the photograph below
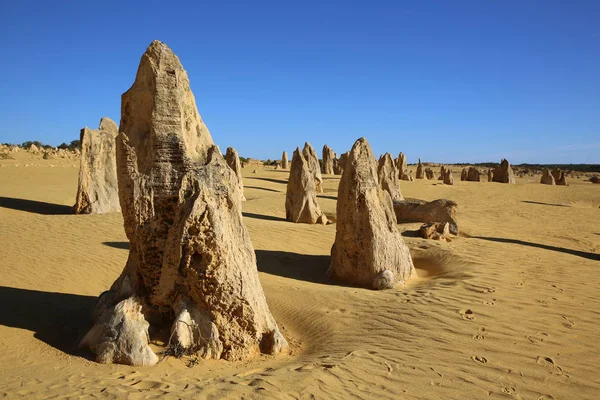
191, 264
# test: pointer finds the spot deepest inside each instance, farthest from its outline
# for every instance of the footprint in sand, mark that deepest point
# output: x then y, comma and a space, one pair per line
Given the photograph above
517, 284
490, 302
567, 323
479, 335
479, 359
466, 314
509, 390
546, 397
550, 365
537, 337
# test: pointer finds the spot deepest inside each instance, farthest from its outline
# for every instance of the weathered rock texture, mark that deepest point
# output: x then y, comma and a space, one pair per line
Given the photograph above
464, 174
503, 173
435, 230
191, 263
547, 178
407, 177
367, 242
559, 177
420, 173
313, 165
233, 160
401, 164
429, 173
301, 197
388, 177
446, 176
328, 157
284, 160
97, 191
490, 175
337, 169
440, 210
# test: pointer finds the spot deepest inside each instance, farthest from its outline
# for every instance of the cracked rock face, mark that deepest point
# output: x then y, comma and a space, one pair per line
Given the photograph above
328, 160
97, 189
388, 177
367, 242
191, 263
503, 173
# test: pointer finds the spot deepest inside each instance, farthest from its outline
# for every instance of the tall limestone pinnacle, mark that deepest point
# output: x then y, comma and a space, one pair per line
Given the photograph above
191, 263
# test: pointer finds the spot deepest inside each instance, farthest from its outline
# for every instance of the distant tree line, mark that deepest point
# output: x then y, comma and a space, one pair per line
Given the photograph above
75, 144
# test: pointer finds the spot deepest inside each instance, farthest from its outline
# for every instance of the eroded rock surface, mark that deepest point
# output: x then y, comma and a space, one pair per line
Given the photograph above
301, 204
191, 262
97, 189
367, 242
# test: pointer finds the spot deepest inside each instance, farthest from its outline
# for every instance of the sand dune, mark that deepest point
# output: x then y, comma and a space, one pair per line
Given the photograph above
508, 309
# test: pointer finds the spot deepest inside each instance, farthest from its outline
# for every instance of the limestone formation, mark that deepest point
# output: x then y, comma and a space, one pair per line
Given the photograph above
337, 169
464, 174
284, 160
447, 177
34, 149
388, 177
313, 165
301, 197
440, 210
401, 164
547, 178
233, 160
407, 177
98, 191
420, 173
473, 175
429, 173
367, 242
191, 263
328, 157
490, 175
559, 177
342, 163
435, 230
503, 173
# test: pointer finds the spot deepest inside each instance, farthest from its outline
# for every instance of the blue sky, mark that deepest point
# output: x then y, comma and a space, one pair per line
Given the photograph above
445, 81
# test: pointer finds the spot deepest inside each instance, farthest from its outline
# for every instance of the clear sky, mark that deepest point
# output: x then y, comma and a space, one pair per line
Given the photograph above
441, 80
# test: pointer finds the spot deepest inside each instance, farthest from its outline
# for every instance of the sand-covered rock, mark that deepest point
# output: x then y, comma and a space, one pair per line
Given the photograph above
328, 157
435, 230
33, 149
233, 160
464, 174
503, 173
313, 165
441, 210
191, 263
401, 164
559, 177
284, 160
420, 172
388, 177
473, 175
367, 242
97, 190
547, 178
301, 204
490, 175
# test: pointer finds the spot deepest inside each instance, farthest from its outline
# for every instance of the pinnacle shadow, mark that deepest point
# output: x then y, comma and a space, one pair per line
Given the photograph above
34, 206
58, 319
578, 253
273, 180
263, 217
262, 188
544, 204
302, 267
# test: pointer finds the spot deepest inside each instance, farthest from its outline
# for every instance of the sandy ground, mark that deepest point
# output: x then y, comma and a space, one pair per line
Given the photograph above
509, 309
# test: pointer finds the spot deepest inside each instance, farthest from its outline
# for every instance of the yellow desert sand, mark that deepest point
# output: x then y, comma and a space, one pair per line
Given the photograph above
508, 309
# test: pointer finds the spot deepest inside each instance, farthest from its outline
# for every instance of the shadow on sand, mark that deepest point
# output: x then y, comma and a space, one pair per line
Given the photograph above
36, 207
264, 217
270, 180
302, 267
58, 319
262, 188
583, 254
544, 204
